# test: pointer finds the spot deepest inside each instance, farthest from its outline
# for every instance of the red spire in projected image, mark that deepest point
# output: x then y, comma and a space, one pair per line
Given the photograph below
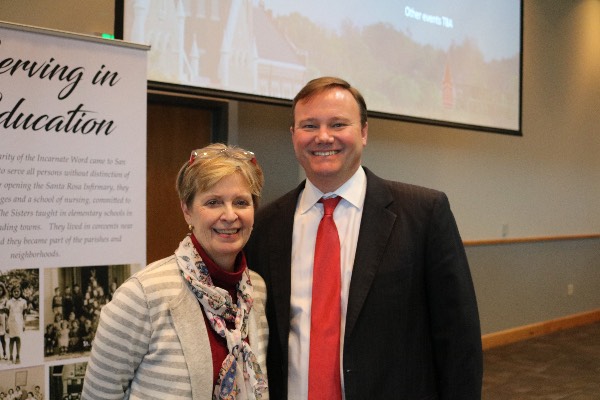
447, 88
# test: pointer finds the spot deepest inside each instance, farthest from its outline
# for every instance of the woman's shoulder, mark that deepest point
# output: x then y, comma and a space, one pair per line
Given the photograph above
153, 286
258, 284
160, 274
255, 278
167, 265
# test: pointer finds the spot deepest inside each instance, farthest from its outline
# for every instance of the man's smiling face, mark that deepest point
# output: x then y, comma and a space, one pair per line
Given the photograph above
328, 137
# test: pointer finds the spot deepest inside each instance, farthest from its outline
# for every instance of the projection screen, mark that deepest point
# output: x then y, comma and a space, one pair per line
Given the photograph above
447, 62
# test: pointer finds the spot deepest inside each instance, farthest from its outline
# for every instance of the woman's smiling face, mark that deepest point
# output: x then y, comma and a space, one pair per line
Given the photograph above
222, 218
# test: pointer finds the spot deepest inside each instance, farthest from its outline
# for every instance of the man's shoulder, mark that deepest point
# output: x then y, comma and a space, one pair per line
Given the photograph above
397, 189
282, 204
409, 189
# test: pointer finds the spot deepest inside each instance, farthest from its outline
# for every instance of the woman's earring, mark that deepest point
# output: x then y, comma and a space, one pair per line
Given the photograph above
191, 227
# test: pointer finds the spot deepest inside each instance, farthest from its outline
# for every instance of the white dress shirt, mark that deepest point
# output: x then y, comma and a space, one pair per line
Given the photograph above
347, 216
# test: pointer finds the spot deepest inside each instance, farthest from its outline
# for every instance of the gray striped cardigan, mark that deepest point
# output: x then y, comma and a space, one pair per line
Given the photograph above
152, 343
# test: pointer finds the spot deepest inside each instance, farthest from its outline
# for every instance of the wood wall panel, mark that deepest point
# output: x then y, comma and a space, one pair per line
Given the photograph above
174, 130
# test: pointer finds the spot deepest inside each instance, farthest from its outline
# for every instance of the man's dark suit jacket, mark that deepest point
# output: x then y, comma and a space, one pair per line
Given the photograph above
412, 326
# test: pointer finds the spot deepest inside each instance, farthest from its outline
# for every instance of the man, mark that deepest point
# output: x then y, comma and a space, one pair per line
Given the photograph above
77, 300
37, 394
67, 302
409, 320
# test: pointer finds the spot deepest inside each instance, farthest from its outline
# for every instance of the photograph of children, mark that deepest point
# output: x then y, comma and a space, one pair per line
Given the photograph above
66, 381
73, 298
19, 313
22, 384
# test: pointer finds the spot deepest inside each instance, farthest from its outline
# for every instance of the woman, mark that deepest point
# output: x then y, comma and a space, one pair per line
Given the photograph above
3, 315
192, 326
15, 324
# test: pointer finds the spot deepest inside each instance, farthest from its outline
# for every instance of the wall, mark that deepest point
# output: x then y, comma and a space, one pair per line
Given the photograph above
87, 17
545, 183
525, 283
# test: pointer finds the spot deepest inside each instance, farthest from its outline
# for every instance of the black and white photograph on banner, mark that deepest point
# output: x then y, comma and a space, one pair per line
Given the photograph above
73, 298
22, 384
66, 381
19, 313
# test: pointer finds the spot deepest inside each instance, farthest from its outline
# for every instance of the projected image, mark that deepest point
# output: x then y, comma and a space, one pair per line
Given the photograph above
456, 61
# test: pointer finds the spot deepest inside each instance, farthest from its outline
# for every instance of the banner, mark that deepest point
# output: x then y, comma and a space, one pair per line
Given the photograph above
72, 198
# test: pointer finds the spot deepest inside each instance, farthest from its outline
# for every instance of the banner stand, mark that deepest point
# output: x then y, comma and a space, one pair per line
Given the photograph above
72, 198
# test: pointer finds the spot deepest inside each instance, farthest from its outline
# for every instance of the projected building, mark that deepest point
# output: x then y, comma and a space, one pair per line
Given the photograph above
227, 44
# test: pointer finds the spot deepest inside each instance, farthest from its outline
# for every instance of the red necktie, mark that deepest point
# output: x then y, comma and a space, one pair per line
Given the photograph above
324, 360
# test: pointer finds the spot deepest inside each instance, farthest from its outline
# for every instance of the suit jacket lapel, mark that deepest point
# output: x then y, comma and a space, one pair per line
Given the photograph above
280, 263
375, 229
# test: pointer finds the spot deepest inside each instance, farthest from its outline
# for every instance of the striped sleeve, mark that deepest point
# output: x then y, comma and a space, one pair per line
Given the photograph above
121, 341
262, 327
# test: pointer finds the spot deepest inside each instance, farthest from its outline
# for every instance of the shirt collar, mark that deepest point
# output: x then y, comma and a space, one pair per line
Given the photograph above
352, 191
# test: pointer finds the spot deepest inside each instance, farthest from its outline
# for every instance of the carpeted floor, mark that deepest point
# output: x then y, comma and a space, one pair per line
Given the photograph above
559, 366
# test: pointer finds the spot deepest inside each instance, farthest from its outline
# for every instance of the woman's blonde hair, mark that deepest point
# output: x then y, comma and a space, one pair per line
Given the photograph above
209, 165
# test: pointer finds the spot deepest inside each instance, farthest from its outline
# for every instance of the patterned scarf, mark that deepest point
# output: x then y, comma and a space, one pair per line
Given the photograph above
248, 381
